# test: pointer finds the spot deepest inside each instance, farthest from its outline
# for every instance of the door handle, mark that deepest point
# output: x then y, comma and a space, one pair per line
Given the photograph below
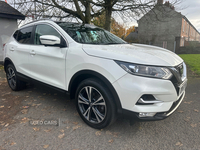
12, 49
32, 52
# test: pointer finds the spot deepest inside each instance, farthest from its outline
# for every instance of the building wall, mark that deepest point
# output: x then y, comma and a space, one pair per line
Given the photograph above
7, 27
198, 37
185, 28
188, 32
160, 27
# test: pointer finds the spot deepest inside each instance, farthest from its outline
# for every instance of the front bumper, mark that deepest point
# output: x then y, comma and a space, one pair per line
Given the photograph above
131, 88
157, 116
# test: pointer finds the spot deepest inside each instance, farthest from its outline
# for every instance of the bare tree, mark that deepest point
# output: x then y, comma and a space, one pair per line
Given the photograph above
85, 10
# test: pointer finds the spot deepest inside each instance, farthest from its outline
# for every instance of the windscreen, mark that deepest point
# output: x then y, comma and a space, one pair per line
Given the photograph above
89, 34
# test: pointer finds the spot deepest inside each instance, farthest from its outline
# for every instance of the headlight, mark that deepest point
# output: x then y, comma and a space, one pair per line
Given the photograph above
149, 71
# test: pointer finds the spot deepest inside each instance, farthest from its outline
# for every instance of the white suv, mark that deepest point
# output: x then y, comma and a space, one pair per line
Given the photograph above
106, 76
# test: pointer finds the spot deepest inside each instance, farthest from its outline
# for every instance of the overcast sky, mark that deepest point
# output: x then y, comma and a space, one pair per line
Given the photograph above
192, 11
189, 8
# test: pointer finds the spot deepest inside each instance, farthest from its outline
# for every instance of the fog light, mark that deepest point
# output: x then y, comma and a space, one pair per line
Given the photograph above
146, 114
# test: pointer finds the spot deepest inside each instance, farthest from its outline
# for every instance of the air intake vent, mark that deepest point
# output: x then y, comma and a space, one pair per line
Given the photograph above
147, 99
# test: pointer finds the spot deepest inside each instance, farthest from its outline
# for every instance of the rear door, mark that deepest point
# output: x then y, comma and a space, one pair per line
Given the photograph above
47, 63
18, 49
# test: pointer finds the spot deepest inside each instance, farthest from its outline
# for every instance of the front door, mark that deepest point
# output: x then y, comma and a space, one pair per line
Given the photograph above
47, 63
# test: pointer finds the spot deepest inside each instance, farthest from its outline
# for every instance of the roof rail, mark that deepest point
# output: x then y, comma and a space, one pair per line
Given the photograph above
37, 20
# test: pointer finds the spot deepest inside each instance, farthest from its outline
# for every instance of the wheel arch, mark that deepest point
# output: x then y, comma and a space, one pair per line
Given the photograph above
7, 61
84, 74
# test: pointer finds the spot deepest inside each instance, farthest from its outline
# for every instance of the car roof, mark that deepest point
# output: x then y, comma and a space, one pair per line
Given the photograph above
33, 22
58, 22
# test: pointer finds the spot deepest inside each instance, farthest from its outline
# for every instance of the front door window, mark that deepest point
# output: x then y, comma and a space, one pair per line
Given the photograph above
44, 30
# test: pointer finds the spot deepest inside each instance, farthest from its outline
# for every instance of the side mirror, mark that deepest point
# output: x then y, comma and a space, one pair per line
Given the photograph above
49, 40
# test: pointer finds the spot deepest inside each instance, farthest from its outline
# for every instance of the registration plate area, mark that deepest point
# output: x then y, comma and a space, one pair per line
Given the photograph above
182, 87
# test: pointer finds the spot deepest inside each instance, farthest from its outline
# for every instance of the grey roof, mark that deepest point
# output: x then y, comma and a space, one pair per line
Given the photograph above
190, 23
7, 11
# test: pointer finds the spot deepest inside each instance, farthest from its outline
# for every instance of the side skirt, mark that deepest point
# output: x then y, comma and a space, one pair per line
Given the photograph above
33, 81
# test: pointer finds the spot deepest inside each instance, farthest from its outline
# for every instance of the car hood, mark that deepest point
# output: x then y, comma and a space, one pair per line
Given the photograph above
134, 53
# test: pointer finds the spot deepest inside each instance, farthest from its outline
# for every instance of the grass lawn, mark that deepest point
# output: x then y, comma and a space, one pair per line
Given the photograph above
193, 61
1, 67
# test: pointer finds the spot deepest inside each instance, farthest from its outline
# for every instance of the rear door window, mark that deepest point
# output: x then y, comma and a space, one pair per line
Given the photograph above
24, 35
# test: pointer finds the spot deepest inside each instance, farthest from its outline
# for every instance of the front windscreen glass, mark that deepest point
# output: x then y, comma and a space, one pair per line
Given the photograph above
89, 34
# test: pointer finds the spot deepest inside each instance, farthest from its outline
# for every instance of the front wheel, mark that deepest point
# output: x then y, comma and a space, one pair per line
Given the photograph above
95, 104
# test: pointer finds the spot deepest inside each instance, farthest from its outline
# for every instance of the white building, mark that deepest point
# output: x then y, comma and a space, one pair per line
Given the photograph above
8, 23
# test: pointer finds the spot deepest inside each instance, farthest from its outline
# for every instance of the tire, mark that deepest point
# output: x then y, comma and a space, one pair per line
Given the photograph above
95, 104
14, 83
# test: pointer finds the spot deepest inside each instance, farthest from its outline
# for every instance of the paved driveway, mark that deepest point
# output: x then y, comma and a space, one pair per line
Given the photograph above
17, 109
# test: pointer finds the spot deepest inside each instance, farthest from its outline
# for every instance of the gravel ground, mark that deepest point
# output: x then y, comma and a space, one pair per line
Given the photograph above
19, 109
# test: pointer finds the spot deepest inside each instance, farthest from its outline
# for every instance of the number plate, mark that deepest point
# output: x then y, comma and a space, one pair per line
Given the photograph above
182, 87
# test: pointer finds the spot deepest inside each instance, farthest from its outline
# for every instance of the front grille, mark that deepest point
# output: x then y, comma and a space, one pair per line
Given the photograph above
176, 79
179, 68
175, 83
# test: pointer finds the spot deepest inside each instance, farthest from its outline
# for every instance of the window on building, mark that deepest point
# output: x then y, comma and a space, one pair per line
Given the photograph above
184, 26
192, 32
165, 44
187, 28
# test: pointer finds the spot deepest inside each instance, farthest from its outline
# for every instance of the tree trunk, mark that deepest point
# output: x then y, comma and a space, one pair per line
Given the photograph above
87, 13
108, 14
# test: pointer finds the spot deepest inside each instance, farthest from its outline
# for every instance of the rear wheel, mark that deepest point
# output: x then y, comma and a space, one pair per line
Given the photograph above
95, 104
14, 83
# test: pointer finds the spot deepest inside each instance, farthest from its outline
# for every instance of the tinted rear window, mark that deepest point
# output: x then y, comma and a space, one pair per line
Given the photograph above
24, 35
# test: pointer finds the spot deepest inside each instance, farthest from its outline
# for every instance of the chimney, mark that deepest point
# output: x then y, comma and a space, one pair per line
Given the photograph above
159, 2
167, 3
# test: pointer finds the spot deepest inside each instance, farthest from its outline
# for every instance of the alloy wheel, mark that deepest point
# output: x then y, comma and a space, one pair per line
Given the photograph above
92, 105
11, 77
